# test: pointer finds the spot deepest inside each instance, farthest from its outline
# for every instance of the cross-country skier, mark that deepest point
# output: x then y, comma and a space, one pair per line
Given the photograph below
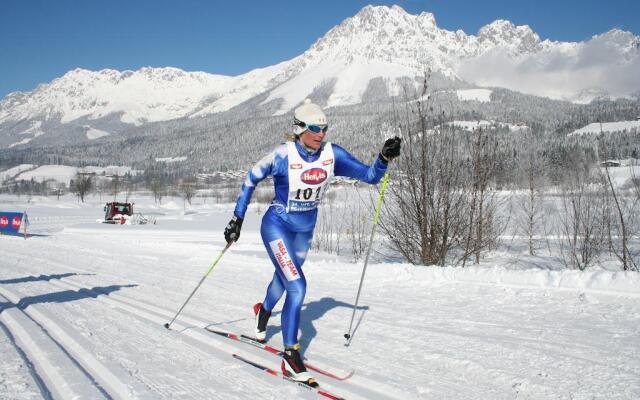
301, 170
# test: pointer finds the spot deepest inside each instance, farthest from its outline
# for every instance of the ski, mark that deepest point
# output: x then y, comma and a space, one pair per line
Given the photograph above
256, 343
275, 373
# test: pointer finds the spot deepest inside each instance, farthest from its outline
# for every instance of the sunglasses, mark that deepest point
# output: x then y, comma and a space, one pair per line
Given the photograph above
313, 128
318, 128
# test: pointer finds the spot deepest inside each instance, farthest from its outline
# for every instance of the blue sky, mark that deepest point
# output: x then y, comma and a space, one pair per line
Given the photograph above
42, 39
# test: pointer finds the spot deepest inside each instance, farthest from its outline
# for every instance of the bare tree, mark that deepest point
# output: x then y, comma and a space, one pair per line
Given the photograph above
634, 214
425, 214
530, 206
329, 228
82, 184
159, 189
358, 221
129, 188
188, 189
581, 227
482, 201
621, 221
115, 186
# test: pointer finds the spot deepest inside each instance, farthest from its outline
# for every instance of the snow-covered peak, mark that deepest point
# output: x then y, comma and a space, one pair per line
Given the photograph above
378, 23
502, 33
146, 95
373, 17
625, 41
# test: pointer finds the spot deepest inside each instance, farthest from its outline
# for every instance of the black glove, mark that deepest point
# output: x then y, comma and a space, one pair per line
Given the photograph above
232, 231
391, 149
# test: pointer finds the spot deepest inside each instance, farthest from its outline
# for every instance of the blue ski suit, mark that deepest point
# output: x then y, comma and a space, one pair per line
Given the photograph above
287, 234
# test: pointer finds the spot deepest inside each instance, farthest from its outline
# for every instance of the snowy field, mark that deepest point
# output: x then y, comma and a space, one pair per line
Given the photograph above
82, 308
596, 128
481, 95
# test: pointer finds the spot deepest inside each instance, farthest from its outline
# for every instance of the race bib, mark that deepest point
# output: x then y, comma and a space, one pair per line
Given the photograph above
308, 181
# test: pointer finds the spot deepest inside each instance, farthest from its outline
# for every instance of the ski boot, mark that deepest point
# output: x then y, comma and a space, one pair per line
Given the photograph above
293, 367
262, 317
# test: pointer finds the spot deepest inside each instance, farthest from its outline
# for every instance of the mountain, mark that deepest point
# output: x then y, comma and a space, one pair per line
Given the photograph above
378, 53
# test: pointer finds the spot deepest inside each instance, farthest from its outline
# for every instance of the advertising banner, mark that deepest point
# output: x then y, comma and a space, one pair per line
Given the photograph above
10, 223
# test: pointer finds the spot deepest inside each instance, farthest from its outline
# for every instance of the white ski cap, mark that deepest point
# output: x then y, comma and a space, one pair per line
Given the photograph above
309, 114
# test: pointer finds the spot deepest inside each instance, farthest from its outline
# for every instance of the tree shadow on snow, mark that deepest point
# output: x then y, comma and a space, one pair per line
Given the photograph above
33, 278
64, 296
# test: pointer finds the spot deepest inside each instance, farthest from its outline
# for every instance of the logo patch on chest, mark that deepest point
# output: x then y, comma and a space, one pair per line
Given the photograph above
314, 176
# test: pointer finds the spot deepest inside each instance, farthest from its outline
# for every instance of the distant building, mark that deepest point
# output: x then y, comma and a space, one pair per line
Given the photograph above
610, 163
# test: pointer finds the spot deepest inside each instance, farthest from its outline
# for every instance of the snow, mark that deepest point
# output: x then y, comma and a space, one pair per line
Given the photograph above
623, 174
481, 95
23, 141
171, 159
61, 173
352, 80
471, 125
34, 129
93, 133
620, 126
83, 306
146, 95
12, 172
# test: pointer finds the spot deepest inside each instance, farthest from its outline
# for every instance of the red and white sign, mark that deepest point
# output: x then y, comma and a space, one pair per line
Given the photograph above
327, 162
4, 221
314, 176
16, 222
285, 263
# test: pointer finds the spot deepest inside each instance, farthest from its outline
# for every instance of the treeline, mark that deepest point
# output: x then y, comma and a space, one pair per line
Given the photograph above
456, 192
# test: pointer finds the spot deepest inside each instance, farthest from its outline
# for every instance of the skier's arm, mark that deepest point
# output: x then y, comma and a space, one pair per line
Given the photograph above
259, 172
348, 165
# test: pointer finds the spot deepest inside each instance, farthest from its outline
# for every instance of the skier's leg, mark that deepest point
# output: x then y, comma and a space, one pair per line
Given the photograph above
277, 238
287, 251
296, 288
270, 230
292, 364
275, 290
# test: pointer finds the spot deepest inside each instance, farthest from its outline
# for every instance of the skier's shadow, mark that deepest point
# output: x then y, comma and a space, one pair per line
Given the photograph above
310, 312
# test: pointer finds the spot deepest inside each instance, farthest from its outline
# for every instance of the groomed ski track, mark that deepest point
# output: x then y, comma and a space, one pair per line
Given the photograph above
187, 329
83, 312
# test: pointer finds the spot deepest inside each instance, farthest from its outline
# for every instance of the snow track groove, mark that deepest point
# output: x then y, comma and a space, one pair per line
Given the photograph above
55, 367
225, 348
357, 387
110, 385
24, 359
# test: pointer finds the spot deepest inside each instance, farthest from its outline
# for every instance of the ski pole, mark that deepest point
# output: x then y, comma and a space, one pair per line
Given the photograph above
383, 188
213, 264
